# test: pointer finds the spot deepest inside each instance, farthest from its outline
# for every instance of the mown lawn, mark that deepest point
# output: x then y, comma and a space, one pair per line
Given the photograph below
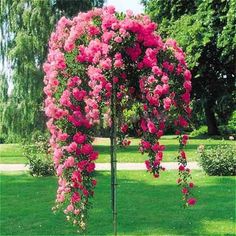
12, 153
146, 206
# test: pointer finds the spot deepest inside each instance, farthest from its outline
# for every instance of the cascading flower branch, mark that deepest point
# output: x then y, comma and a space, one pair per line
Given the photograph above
91, 56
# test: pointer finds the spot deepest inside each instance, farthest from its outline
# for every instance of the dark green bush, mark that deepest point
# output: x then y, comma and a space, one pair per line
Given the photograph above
39, 158
220, 160
230, 128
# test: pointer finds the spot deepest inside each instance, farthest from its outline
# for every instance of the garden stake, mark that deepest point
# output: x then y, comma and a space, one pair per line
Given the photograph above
113, 158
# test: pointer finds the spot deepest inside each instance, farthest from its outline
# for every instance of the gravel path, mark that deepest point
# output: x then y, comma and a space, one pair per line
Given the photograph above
106, 166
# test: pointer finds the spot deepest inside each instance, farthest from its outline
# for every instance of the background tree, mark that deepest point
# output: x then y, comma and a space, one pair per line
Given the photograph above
25, 28
206, 31
72, 7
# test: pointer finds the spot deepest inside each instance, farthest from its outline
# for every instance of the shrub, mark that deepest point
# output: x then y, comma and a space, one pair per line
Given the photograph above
2, 138
201, 131
230, 128
39, 159
220, 160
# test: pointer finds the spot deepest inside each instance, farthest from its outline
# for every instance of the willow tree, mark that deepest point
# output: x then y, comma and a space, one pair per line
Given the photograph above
25, 29
25, 26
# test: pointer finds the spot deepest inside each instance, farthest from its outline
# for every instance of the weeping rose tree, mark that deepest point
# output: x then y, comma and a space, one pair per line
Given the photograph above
97, 56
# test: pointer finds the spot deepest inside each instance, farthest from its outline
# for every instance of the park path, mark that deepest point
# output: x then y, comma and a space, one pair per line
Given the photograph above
107, 166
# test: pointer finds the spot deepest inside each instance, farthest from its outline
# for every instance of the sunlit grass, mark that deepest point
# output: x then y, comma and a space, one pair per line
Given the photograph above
12, 153
146, 206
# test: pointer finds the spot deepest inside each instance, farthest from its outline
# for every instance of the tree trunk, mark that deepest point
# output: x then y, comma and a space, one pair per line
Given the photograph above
211, 119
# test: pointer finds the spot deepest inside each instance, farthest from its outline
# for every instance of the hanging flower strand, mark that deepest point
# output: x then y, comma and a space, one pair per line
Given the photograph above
86, 55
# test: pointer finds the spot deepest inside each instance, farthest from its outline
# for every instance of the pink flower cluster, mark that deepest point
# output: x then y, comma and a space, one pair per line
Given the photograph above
88, 57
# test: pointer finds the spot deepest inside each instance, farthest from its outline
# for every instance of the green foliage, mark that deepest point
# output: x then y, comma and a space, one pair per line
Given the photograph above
207, 32
228, 32
39, 158
201, 131
131, 115
71, 8
220, 160
232, 122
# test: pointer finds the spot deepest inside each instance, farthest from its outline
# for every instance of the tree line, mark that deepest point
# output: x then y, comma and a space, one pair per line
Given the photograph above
26, 26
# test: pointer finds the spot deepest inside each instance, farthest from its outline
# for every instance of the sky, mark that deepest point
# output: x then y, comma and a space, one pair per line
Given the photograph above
123, 5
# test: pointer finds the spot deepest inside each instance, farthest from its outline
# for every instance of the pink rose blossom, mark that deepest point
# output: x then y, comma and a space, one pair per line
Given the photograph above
75, 197
181, 168
124, 128
60, 198
106, 64
70, 207
156, 70
118, 39
191, 185
70, 162
93, 156
76, 176
184, 190
90, 168
155, 147
188, 85
145, 144
76, 211
72, 147
94, 182
182, 154
159, 156
86, 149
59, 170
79, 138
167, 103
187, 75
143, 125
151, 127
165, 79
148, 165
192, 201
85, 192
79, 94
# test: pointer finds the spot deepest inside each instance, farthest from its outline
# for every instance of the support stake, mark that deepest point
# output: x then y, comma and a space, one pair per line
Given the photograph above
113, 158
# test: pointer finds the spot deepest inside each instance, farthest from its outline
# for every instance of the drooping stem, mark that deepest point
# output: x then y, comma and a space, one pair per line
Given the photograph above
113, 158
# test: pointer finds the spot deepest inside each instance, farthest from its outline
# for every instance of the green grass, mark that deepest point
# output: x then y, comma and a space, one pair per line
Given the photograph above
12, 153
146, 206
